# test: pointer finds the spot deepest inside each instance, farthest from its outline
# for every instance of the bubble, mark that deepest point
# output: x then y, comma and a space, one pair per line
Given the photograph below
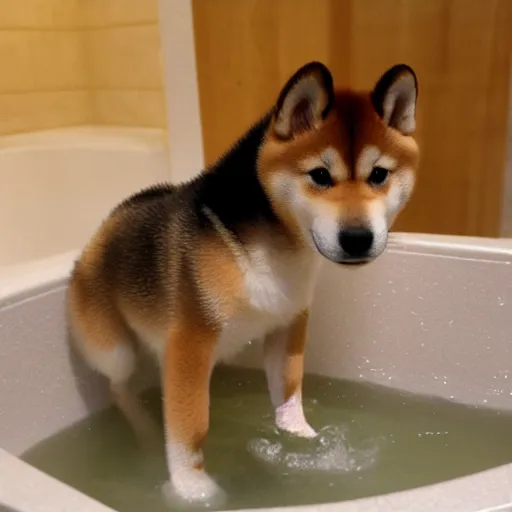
328, 452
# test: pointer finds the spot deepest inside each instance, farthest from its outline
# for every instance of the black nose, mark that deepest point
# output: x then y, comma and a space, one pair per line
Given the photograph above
356, 242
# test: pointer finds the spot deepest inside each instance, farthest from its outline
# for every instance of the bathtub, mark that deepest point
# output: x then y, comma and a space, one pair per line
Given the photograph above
443, 303
48, 179
53, 191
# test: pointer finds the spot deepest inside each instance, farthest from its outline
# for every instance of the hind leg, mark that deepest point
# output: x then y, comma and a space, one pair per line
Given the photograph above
106, 344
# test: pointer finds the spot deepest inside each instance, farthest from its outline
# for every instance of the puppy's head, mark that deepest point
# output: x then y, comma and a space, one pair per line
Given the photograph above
338, 166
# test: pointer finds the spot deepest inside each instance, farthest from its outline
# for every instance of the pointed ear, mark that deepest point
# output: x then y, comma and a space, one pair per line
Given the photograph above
304, 101
394, 98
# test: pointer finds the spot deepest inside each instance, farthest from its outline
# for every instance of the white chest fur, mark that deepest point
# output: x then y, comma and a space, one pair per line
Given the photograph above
278, 285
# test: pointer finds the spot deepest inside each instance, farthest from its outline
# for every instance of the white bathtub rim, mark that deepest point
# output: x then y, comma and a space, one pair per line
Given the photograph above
496, 249
26, 489
20, 281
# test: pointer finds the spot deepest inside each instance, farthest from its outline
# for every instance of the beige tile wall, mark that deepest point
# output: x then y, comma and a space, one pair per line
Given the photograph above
70, 62
43, 80
122, 44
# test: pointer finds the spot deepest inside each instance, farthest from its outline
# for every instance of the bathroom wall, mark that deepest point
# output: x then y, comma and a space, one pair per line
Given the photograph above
122, 52
43, 78
72, 62
461, 53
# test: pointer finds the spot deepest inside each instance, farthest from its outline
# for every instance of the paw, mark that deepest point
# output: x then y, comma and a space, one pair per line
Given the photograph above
194, 487
300, 429
306, 430
290, 418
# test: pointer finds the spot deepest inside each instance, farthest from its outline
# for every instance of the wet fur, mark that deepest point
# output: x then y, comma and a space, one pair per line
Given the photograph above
195, 271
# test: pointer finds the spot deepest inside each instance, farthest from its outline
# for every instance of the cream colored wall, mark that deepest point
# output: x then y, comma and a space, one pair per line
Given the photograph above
122, 50
43, 78
71, 62
184, 133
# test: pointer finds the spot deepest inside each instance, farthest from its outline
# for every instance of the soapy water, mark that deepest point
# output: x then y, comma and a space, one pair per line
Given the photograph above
371, 441
329, 452
285, 456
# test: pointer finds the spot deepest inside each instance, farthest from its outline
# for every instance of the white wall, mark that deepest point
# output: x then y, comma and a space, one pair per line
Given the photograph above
181, 89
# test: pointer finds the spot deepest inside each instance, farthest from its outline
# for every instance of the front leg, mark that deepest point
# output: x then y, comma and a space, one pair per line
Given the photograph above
187, 368
284, 366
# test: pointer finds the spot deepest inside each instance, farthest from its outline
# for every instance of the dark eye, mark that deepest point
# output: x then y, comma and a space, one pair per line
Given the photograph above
378, 176
321, 177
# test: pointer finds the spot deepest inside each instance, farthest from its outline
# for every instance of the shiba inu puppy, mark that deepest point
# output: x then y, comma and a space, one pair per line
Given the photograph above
195, 271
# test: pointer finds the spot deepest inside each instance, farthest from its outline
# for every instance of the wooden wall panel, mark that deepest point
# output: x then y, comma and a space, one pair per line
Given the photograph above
460, 49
